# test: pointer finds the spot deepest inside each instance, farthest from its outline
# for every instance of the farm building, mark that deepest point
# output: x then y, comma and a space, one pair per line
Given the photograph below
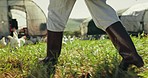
134, 18
34, 17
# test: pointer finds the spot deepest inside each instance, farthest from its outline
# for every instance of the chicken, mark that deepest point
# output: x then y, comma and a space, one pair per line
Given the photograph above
16, 42
22, 41
35, 39
3, 42
65, 40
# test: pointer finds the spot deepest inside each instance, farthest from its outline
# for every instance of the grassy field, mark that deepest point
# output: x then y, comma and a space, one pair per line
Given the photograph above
78, 59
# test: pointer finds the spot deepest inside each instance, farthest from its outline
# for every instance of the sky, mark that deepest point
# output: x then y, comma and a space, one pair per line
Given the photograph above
80, 9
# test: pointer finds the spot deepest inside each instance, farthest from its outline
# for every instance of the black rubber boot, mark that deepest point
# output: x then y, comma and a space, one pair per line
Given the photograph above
54, 44
124, 45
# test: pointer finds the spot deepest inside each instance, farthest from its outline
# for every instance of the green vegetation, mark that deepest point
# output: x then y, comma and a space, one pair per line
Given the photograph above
78, 59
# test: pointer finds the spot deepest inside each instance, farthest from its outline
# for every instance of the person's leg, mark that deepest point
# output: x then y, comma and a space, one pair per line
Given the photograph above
105, 17
54, 44
58, 13
124, 45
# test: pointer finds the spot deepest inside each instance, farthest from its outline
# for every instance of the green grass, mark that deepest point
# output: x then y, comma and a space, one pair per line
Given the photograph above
98, 58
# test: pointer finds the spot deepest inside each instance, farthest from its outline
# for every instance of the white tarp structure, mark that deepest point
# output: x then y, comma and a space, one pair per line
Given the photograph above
4, 17
135, 18
35, 18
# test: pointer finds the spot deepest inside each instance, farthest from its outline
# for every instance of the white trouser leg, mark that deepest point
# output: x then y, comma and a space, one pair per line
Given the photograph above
58, 14
102, 14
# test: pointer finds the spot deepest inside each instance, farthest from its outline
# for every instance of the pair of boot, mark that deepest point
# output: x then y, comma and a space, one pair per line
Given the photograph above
119, 38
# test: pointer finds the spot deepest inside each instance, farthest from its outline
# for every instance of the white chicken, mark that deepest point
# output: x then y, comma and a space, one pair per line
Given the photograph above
16, 42
65, 40
3, 42
22, 41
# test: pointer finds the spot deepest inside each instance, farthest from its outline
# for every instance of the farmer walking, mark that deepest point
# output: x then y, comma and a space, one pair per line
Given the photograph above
104, 17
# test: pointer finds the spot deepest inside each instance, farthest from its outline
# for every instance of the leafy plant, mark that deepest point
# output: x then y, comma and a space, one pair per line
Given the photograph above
79, 59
